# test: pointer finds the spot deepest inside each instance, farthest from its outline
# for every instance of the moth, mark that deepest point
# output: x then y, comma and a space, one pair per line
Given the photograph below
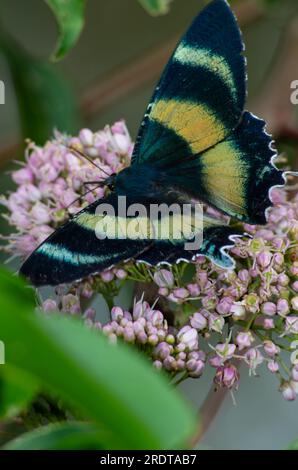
196, 142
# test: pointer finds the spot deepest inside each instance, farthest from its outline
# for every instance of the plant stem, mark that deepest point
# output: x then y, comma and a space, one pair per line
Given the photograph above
109, 301
207, 413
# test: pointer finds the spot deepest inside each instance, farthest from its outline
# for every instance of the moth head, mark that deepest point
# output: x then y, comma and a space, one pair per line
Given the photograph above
110, 182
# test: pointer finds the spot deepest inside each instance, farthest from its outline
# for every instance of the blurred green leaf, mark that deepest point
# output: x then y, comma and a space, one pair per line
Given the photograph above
59, 436
15, 289
70, 17
293, 445
112, 385
17, 389
156, 7
45, 100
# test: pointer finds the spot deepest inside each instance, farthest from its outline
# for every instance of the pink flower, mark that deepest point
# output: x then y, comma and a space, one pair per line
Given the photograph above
193, 289
121, 274
47, 172
225, 351
216, 322
188, 336
68, 197
198, 321
294, 303
29, 192
269, 308
71, 304
295, 373
86, 137
107, 276
50, 305
164, 278
40, 214
273, 366
227, 376
195, 368
163, 350
117, 313
268, 323
244, 275
23, 176
271, 348
224, 306
244, 340
264, 258
283, 279
283, 307
288, 391
180, 293
238, 311
253, 358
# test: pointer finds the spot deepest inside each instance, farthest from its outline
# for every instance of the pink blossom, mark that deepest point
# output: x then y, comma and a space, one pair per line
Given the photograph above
188, 336
283, 307
198, 321
40, 214
23, 176
269, 308
164, 278
107, 276
225, 351
271, 348
50, 305
294, 303
273, 366
224, 306
86, 137
288, 391
268, 323
227, 376
264, 258
244, 340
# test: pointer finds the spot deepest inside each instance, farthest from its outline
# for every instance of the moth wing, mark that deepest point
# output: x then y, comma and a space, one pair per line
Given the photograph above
215, 239
237, 174
200, 97
76, 250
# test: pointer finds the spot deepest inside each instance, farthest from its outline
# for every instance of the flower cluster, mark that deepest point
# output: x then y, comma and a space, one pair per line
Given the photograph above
52, 182
203, 314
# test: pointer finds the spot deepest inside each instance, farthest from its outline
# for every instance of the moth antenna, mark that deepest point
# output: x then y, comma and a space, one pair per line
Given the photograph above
79, 154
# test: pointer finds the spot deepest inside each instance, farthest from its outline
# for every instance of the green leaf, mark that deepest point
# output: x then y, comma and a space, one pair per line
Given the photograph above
45, 99
156, 7
70, 17
17, 390
293, 445
14, 288
59, 436
111, 384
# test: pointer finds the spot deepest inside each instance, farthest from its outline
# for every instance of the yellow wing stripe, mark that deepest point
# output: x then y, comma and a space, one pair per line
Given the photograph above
224, 176
171, 227
195, 123
188, 55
